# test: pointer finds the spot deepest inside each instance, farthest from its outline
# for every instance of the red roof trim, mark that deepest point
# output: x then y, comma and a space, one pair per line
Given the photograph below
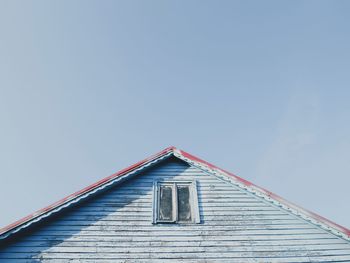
83, 191
185, 155
270, 194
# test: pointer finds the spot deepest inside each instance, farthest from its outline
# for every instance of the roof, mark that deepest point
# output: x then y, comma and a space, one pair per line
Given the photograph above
116, 178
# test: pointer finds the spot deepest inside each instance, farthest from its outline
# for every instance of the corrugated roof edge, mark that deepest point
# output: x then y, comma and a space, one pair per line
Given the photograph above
7, 230
267, 195
259, 191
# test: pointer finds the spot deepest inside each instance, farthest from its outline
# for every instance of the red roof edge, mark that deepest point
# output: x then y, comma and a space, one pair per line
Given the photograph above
193, 158
84, 190
270, 194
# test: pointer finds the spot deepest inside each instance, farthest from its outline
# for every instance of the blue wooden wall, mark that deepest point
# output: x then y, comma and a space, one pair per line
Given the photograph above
235, 227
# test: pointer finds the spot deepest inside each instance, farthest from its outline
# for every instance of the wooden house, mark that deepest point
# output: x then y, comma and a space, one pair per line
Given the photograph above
174, 207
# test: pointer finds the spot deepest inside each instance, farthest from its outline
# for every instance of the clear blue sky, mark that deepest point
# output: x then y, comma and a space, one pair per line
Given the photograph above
260, 88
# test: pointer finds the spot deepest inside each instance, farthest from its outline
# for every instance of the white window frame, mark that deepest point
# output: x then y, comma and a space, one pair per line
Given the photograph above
195, 217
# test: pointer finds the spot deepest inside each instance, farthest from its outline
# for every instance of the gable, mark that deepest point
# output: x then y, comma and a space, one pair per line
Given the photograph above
236, 226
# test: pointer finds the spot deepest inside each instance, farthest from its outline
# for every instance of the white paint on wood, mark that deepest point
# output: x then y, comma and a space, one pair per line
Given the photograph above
235, 226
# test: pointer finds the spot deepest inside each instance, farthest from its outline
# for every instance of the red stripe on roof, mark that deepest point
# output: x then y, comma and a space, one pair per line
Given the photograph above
84, 190
192, 158
270, 194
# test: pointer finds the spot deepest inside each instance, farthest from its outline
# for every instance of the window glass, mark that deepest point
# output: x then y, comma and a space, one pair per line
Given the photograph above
175, 202
166, 203
184, 207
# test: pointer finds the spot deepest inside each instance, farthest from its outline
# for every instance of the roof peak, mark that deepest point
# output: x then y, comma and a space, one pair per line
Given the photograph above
192, 160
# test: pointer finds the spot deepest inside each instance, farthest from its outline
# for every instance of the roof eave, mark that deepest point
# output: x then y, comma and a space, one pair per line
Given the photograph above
191, 159
6, 231
269, 196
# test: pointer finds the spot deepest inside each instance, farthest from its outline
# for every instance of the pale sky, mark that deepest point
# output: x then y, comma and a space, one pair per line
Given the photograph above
259, 88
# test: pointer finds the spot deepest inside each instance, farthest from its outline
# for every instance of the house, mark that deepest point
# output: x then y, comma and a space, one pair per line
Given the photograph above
174, 207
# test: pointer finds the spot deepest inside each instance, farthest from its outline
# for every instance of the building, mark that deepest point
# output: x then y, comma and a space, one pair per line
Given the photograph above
174, 207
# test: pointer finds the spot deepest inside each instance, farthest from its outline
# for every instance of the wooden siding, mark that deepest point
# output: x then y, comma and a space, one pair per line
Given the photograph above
235, 227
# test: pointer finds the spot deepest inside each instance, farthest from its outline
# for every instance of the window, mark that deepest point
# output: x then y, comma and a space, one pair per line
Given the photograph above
175, 202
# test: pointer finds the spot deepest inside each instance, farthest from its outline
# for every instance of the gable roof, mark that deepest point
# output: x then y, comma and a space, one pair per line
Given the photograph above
124, 174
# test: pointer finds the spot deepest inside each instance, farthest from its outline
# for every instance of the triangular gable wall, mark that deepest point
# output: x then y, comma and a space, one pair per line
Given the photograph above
236, 226
130, 171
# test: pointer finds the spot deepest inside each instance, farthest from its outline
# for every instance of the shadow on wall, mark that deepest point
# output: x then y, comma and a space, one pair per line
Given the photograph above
106, 219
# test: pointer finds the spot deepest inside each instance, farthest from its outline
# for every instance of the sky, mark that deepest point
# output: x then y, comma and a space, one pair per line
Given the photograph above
259, 88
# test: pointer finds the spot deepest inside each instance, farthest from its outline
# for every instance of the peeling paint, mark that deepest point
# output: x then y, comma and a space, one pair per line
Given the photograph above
313, 218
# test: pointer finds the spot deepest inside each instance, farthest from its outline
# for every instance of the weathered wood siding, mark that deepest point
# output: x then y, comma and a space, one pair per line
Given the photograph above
235, 227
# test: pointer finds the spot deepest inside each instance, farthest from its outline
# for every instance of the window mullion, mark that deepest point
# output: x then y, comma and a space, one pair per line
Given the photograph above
195, 208
155, 203
175, 204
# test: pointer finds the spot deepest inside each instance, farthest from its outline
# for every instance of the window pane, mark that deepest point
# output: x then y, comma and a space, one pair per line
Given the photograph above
166, 203
184, 207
